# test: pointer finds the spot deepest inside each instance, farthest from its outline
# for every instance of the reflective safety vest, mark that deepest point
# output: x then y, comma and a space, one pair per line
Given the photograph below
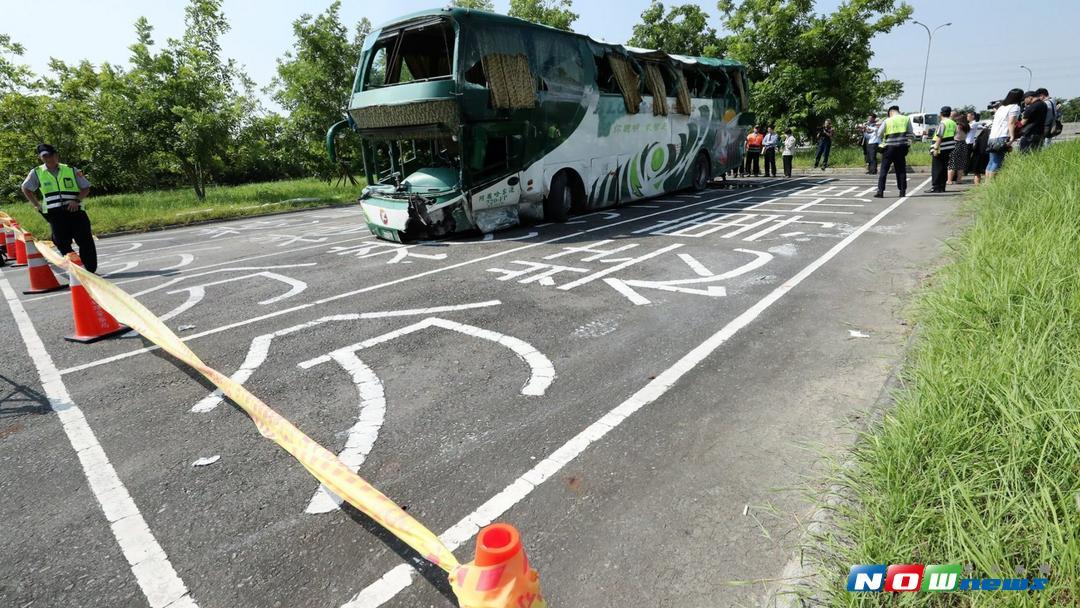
946, 134
57, 191
896, 131
754, 142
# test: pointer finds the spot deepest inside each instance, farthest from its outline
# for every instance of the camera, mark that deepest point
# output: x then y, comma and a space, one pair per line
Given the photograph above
993, 105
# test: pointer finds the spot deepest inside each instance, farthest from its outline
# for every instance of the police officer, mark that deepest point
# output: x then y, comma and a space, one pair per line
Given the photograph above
944, 142
896, 137
63, 189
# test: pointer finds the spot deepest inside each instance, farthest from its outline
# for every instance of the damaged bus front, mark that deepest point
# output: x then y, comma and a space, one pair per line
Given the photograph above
475, 121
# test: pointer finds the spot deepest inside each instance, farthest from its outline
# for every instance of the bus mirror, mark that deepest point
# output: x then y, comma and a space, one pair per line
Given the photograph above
331, 134
747, 119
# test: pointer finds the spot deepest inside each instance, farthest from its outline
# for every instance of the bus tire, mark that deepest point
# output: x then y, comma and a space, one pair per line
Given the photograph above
560, 198
702, 172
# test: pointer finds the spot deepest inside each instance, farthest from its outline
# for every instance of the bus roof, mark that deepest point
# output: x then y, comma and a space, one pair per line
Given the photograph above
465, 15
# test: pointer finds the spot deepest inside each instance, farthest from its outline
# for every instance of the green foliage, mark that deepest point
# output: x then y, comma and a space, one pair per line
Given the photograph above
555, 13
683, 30
805, 66
13, 75
313, 83
483, 5
1070, 110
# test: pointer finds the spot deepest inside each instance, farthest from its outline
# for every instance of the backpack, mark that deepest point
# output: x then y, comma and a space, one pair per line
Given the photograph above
1055, 127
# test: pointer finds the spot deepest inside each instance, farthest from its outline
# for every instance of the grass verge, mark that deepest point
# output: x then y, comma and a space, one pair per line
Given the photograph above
852, 156
978, 462
161, 208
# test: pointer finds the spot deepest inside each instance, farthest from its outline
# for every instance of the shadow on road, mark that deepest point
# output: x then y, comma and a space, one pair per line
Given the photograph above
20, 399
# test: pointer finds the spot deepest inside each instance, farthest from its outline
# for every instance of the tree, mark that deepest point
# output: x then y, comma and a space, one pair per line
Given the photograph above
483, 5
684, 30
314, 81
555, 13
805, 67
1070, 110
13, 75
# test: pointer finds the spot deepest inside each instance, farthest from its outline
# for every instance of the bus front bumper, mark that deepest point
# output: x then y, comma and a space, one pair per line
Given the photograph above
407, 219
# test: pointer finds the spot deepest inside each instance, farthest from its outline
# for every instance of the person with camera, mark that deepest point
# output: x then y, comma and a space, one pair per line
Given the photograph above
1032, 123
824, 146
1003, 130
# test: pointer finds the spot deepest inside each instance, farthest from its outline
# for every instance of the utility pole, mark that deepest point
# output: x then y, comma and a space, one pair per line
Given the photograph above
1029, 76
929, 41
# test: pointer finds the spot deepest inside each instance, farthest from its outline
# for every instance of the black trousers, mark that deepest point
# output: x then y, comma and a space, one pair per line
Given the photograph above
753, 161
770, 162
871, 154
823, 148
73, 225
893, 156
787, 165
939, 170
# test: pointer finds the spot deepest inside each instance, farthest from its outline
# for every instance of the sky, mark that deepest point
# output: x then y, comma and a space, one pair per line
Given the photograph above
975, 60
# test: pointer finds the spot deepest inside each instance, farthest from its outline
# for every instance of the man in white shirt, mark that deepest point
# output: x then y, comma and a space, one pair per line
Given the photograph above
789, 151
871, 140
769, 143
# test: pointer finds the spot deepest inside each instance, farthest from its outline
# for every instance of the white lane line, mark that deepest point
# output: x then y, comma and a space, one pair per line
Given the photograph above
260, 345
362, 435
419, 275
153, 572
401, 576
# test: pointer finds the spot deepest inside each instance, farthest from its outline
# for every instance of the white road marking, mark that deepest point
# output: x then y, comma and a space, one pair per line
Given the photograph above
149, 563
401, 576
698, 268
626, 287
363, 434
260, 345
196, 293
398, 281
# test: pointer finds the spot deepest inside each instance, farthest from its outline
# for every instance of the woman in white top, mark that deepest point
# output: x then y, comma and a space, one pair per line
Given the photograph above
789, 151
1003, 130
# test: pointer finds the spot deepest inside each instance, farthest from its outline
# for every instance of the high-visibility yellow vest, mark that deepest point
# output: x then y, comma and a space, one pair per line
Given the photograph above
948, 128
896, 128
59, 190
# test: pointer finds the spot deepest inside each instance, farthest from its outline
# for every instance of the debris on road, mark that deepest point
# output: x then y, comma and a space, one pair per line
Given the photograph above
854, 333
206, 460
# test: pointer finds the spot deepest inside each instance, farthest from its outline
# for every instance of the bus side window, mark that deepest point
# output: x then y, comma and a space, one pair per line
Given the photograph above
629, 81
559, 65
605, 77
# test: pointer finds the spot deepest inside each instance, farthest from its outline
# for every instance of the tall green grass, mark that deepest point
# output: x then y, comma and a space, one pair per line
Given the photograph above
160, 208
978, 462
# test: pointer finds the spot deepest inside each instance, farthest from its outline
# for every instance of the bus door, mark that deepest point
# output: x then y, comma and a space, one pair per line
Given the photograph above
495, 164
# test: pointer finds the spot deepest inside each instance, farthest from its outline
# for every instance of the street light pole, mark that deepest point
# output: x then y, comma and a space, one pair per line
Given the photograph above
926, 68
1029, 76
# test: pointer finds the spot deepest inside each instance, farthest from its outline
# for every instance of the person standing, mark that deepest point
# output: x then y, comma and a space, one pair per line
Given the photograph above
1003, 131
789, 151
896, 137
1032, 123
63, 189
958, 160
753, 152
1053, 116
769, 144
824, 146
871, 141
944, 144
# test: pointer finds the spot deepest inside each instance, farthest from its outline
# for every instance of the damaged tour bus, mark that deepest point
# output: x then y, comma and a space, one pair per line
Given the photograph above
475, 121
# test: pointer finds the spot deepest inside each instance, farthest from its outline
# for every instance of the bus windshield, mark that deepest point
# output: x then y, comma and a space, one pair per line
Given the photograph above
418, 51
393, 160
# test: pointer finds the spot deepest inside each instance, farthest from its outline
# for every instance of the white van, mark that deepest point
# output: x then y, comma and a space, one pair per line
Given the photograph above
924, 125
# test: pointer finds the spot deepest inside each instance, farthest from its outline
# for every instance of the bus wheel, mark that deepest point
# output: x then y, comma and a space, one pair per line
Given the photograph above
559, 199
702, 172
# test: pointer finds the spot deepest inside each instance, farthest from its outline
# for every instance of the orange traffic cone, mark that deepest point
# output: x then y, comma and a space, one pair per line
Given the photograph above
42, 279
92, 323
7, 243
20, 250
500, 576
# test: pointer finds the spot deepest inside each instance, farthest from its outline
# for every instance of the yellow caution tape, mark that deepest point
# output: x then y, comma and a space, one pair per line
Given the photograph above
319, 461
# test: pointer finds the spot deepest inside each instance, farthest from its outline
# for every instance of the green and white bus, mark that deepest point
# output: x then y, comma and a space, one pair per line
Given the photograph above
475, 121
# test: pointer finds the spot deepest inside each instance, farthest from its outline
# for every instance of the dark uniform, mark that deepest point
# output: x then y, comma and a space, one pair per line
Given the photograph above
59, 188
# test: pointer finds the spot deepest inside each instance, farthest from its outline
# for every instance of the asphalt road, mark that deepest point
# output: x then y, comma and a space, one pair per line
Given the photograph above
641, 392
